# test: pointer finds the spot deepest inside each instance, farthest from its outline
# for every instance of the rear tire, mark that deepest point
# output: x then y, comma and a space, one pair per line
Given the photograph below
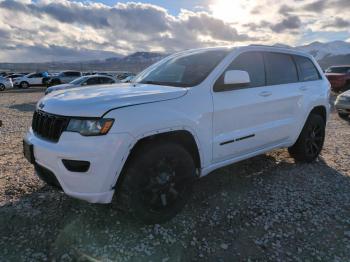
24, 85
310, 141
2, 87
343, 115
157, 182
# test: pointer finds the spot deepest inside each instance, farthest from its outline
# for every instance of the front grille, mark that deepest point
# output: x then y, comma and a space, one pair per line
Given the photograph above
49, 126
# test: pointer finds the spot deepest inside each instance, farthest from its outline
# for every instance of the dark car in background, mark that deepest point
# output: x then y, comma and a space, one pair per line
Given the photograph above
339, 77
63, 78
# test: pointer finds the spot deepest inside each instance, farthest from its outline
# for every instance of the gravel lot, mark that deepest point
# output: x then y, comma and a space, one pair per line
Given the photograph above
266, 208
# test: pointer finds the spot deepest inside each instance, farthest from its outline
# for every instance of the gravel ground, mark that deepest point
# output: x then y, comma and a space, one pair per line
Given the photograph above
267, 208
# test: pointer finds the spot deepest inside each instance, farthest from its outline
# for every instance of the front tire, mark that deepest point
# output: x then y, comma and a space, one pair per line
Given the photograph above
157, 182
310, 141
2, 87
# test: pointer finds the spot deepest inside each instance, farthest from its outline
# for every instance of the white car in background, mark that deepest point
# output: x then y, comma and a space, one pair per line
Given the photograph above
5, 83
33, 79
84, 81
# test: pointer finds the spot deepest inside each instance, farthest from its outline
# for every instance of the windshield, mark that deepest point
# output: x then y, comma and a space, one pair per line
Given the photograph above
183, 70
79, 80
339, 70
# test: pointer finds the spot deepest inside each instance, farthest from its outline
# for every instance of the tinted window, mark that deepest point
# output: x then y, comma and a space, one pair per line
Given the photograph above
106, 80
253, 63
280, 69
35, 75
307, 70
93, 81
72, 74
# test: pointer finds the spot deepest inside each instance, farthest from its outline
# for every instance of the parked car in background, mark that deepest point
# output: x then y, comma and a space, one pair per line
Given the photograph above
64, 78
128, 79
5, 83
123, 75
339, 77
180, 119
84, 81
342, 104
13, 76
33, 79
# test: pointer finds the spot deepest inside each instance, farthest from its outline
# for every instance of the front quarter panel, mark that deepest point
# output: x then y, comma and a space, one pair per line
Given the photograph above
191, 112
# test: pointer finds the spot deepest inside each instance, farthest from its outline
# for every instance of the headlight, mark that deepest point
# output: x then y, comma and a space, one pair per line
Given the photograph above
90, 127
343, 98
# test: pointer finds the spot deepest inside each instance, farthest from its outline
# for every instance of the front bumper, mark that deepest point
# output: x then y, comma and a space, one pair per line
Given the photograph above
106, 155
342, 106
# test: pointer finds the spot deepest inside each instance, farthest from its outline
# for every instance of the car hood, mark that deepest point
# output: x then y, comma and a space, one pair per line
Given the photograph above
335, 74
346, 93
60, 87
94, 101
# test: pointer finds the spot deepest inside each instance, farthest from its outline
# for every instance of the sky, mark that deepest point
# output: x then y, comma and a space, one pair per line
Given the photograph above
52, 30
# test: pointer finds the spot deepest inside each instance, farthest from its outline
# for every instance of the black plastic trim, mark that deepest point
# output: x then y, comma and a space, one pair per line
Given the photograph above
76, 165
236, 140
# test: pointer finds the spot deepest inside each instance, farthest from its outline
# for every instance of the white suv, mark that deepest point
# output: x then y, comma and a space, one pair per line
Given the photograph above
180, 119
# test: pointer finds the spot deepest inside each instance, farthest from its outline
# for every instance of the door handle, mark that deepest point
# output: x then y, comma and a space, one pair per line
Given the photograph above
303, 88
265, 93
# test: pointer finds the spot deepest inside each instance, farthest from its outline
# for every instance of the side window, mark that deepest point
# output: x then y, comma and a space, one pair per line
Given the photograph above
280, 69
307, 70
253, 63
93, 81
35, 76
106, 80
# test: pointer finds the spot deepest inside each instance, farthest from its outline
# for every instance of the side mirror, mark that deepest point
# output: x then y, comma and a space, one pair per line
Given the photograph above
236, 77
232, 79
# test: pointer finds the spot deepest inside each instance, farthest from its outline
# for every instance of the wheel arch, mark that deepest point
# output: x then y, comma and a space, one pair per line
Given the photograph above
319, 110
182, 136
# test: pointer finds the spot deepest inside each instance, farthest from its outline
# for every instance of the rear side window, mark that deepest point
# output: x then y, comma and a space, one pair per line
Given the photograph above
306, 68
93, 81
253, 63
280, 69
106, 80
72, 74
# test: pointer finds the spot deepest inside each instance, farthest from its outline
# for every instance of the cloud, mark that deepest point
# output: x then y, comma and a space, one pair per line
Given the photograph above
285, 9
286, 24
291, 22
316, 6
66, 29
338, 23
123, 28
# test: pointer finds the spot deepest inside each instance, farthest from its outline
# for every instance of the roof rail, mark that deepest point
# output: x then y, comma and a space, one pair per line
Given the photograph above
274, 46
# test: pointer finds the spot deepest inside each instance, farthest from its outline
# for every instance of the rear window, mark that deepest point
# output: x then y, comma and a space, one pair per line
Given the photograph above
306, 68
280, 69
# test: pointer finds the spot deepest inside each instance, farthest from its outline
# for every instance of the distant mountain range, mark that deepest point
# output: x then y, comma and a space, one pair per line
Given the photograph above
325, 50
327, 54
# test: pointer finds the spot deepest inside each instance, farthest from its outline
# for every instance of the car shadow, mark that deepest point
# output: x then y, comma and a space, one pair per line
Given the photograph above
25, 107
230, 205
29, 90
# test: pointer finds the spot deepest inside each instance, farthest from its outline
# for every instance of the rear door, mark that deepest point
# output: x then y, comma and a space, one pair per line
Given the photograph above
257, 117
310, 81
36, 79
